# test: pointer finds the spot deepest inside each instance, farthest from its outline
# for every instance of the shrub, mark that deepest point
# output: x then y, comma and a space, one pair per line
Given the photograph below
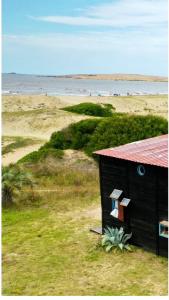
115, 238
13, 178
95, 134
42, 153
119, 130
76, 136
91, 109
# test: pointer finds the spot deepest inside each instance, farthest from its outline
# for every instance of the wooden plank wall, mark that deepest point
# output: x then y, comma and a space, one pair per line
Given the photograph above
113, 174
144, 195
163, 206
142, 190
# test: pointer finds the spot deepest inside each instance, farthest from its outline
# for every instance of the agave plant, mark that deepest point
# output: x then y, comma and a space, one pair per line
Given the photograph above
116, 238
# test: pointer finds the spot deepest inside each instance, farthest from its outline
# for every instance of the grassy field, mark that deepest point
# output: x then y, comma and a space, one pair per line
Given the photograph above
49, 250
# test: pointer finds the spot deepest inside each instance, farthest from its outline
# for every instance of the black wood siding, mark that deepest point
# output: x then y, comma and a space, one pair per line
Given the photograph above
145, 192
163, 206
142, 191
113, 175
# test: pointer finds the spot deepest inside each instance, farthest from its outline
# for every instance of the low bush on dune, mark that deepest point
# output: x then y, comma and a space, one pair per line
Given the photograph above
76, 136
95, 134
39, 155
91, 135
125, 129
91, 109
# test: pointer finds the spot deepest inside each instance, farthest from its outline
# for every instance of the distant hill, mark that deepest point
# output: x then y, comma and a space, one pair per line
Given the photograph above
130, 77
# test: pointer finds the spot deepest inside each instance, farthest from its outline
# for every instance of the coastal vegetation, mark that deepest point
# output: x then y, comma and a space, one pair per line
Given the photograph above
91, 109
94, 134
10, 144
41, 154
13, 178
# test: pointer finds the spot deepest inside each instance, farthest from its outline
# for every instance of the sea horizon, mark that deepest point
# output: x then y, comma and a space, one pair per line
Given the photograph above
74, 86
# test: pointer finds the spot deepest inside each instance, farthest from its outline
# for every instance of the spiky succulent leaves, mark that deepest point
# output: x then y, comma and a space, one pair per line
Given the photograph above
126, 237
109, 247
115, 237
105, 240
127, 247
121, 246
109, 231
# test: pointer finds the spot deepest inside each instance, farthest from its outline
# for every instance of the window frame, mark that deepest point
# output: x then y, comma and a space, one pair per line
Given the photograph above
163, 224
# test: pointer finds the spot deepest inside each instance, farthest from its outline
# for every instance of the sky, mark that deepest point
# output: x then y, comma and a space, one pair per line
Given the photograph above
57, 37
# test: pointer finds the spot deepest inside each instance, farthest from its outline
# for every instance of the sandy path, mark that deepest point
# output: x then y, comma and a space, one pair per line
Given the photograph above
14, 156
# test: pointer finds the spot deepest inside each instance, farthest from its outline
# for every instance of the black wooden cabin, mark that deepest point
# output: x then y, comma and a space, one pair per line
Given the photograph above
134, 191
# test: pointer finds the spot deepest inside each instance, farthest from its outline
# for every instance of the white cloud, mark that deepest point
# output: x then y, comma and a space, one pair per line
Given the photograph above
134, 25
134, 41
121, 13
87, 52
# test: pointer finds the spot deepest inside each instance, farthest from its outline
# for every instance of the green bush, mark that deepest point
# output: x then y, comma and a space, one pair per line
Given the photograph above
91, 109
76, 136
95, 134
125, 129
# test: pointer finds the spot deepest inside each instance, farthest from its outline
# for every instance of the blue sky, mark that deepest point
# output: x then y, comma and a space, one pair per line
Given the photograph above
84, 36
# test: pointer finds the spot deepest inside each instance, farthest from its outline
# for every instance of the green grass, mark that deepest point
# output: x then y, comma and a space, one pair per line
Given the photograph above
48, 249
91, 109
17, 142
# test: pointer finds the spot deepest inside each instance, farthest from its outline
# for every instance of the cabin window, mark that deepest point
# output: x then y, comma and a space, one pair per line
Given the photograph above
163, 229
141, 170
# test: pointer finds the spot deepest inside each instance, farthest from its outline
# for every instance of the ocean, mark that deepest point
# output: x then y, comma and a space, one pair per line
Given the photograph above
50, 85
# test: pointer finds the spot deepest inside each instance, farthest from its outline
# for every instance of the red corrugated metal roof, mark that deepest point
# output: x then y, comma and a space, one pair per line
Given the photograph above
153, 151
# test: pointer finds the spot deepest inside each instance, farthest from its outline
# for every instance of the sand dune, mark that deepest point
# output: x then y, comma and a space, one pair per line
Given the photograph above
128, 77
14, 156
39, 116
